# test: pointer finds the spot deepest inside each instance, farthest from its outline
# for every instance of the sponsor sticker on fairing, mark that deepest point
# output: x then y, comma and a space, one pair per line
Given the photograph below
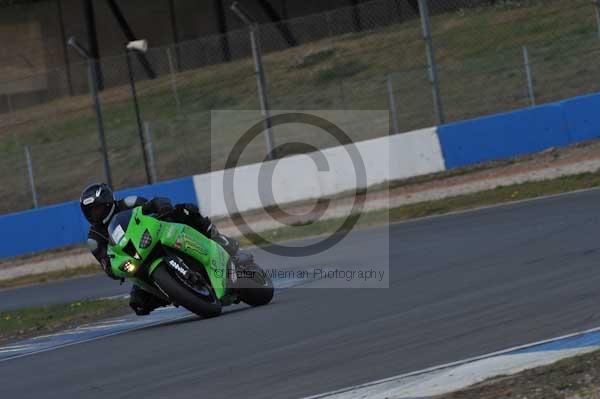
177, 267
118, 234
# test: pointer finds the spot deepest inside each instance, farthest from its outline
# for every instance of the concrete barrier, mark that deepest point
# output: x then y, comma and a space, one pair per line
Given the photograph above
298, 178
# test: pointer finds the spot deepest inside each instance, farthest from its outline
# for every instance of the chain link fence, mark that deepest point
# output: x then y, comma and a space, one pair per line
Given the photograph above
490, 57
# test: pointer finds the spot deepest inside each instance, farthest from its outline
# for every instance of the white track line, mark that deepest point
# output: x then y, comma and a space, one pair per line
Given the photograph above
97, 338
453, 364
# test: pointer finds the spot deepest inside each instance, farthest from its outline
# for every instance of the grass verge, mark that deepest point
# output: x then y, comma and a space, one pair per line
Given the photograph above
35, 321
50, 276
499, 195
573, 378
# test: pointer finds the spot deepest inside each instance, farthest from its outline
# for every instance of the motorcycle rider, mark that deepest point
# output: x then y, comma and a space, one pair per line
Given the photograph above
98, 205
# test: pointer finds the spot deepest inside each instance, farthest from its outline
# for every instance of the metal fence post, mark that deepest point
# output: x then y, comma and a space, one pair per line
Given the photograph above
433, 75
138, 118
10, 106
392, 105
34, 197
597, 2
149, 148
328, 21
529, 75
262, 89
92, 78
173, 80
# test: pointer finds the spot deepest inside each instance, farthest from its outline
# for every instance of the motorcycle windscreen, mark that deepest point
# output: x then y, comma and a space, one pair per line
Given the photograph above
118, 226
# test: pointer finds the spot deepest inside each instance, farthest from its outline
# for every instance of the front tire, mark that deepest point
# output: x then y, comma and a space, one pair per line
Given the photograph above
184, 296
256, 289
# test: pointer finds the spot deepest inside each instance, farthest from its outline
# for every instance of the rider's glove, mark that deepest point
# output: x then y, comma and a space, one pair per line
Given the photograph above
159, 206
105, 263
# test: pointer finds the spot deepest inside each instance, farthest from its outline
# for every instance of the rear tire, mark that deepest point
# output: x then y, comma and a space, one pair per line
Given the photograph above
184, 296
256, 289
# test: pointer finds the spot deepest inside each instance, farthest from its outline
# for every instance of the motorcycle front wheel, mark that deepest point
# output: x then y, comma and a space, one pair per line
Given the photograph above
202, 302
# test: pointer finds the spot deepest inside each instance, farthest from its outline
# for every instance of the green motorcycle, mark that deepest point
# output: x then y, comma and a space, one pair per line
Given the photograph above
181, 266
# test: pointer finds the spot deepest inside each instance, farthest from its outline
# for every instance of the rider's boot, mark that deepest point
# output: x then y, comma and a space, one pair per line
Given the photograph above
229, 244
142, 302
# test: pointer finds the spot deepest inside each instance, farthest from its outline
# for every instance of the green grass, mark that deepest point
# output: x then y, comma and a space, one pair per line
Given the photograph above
340, 71
28, 322
480, 68
313, 58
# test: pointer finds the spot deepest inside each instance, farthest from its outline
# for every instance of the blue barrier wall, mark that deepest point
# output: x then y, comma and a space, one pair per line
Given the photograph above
179, 191
582, 116
62, 225
489, 138
520, 132
40, 229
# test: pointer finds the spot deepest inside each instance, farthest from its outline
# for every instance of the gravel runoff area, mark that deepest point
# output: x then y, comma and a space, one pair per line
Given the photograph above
550, 164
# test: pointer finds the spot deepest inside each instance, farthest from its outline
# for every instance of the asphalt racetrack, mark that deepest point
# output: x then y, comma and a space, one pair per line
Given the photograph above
460, 286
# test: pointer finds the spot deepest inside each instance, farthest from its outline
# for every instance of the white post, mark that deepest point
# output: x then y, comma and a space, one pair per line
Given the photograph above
173, 80
392, 105
149, 149
31, 178
529, 75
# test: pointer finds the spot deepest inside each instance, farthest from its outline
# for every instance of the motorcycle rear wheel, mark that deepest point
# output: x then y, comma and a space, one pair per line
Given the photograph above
256, 289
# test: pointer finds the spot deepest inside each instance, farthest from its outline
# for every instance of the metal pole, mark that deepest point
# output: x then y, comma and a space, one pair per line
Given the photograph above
392, 104
10, 106
598, 15
262, 90
137, 117
433, 75
173, 80
328, 21
31, 178
529, 75
150, 151
92, 36
63, 37
93, 82
343, 95
173, 16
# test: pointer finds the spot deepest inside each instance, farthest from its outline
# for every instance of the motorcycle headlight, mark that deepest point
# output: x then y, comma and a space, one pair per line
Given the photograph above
146, 240
127, 267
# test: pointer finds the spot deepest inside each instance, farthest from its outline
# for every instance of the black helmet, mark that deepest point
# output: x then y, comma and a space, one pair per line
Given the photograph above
97, 203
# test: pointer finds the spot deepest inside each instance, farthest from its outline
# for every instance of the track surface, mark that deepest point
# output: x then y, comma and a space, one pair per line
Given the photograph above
96, 286
461, 286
